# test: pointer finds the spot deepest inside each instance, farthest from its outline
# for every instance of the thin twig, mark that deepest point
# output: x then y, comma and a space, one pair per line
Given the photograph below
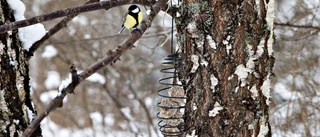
144, 107
61, 13
118, 107
112, 56
63, 23
297, 26
52, 31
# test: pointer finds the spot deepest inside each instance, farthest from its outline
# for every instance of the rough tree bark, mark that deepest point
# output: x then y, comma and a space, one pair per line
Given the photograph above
227, 48
16, 107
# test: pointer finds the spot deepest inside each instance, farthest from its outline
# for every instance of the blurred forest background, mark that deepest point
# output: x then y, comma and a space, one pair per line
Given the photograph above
121, 99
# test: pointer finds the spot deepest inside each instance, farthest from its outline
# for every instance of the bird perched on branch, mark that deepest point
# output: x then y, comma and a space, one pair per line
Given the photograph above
132, 19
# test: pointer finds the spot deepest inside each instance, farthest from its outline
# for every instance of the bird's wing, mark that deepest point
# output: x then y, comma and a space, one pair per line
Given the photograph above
123, 27
124, 19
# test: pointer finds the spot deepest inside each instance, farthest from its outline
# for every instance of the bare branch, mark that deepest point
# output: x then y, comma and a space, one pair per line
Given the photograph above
53, 30
61, 13
297, 26
118, 107
74, 76
144, 107
112, 56
63, 23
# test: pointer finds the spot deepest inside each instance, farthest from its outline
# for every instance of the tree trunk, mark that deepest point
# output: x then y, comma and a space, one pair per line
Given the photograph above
16, 108
227, 48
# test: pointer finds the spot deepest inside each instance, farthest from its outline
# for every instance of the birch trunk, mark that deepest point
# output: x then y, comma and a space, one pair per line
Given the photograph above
16, 108
227, 48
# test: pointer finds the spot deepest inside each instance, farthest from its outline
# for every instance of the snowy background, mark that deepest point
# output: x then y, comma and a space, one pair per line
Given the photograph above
296, 86
120, 100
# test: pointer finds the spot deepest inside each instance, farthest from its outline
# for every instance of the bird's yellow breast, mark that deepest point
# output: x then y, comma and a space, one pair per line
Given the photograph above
129, 22
140, 17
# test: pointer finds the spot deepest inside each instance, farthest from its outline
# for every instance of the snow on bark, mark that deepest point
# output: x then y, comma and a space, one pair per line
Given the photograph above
195, 60
214, 82
242, 72
270, 21
227, 43
194, 106
193, 134
215, 110
254, 91
258, 7
265, 88
18, 7
192, 28
252, 57
264, 128
29, 113
174, 3
204, 62
30, 34
211, 42
178, 14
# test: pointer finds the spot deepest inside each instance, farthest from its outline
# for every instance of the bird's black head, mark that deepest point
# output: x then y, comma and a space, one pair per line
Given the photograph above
134, 9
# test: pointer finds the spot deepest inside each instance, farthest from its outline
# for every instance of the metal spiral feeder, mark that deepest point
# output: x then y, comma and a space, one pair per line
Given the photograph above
172, 104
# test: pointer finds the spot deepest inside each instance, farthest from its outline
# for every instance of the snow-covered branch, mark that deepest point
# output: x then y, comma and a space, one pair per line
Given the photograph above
112, 57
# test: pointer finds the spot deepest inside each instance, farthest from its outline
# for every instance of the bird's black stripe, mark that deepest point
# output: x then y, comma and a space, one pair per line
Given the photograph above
135, 16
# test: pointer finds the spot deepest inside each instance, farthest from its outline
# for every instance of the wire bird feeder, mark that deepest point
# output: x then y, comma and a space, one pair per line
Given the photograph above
172, 104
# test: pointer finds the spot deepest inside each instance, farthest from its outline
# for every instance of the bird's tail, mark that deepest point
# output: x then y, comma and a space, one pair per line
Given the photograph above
122, 29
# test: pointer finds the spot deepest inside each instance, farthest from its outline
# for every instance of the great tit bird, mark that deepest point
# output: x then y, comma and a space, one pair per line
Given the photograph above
132, 19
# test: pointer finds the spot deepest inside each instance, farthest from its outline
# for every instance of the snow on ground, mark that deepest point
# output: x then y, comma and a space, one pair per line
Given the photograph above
97, 78
53, 80
149, 102
281, 90
82, 20
286, 11
289, 107
109, 119
288, 111
46, 97
49, 52
51, 129
297, 88
96, 117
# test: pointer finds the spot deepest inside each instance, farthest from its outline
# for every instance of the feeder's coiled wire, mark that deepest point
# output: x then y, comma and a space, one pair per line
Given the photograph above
172, 105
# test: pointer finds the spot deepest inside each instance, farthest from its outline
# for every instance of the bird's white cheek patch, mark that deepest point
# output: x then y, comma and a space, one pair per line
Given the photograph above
135, 10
